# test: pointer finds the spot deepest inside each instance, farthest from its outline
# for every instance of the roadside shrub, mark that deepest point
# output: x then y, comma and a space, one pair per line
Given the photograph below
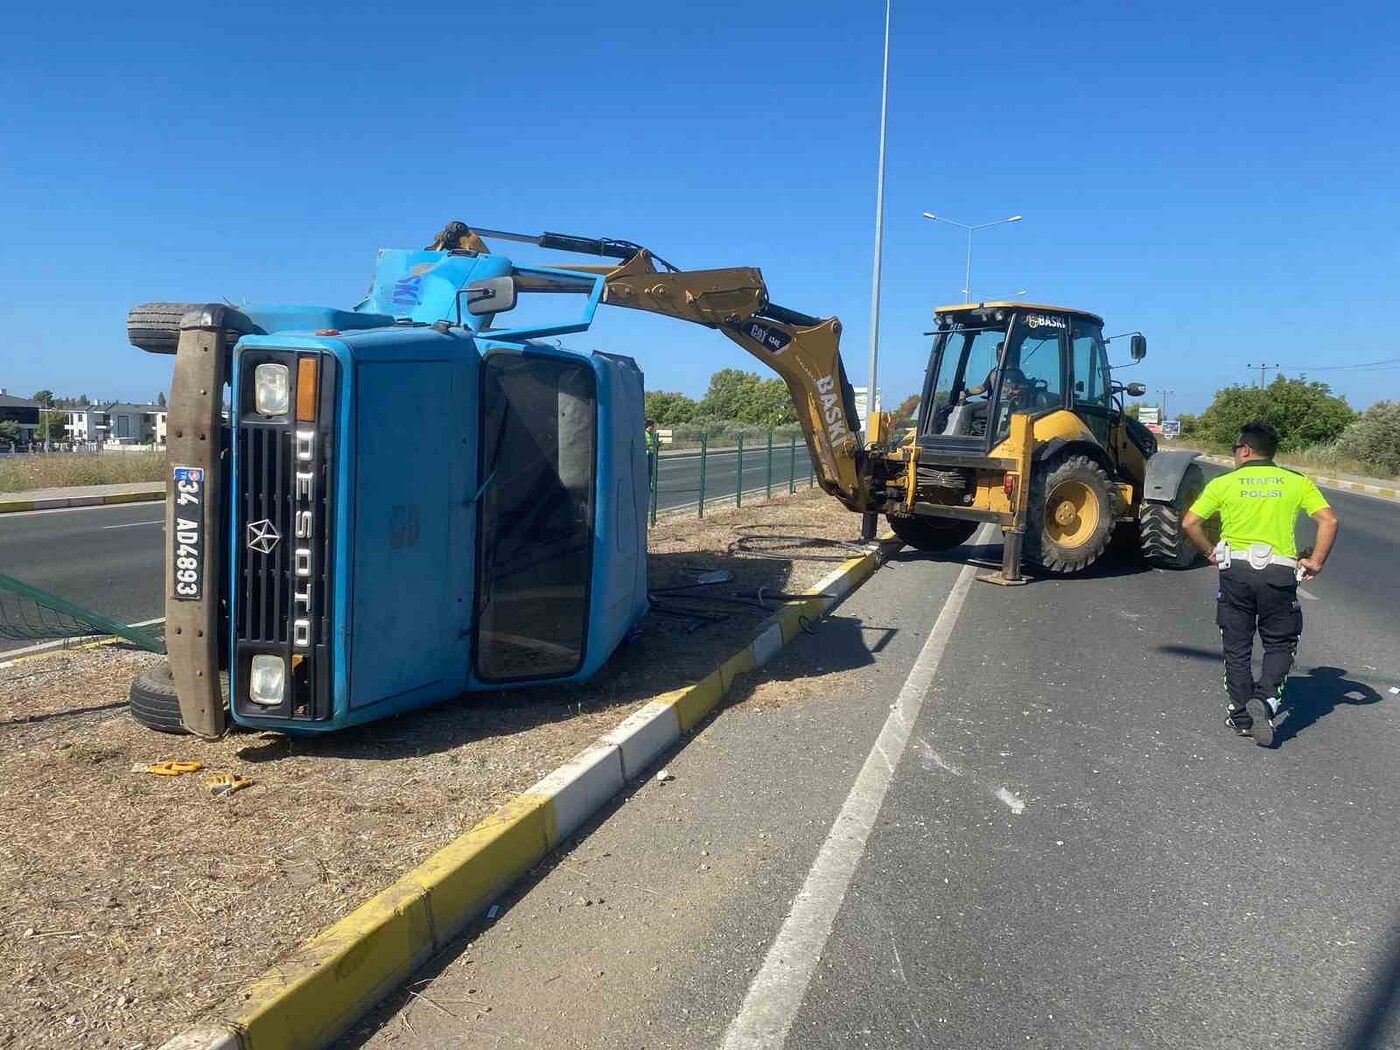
1304, 413
1375, 438
724, 433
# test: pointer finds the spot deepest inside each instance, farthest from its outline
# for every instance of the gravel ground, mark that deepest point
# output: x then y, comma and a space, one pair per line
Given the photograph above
130, 903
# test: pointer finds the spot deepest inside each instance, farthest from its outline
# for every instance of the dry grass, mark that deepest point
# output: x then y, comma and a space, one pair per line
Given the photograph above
63, 469
130, 904
1322, 460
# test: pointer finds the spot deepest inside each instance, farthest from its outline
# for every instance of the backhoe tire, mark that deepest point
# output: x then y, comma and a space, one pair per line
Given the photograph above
1163, 541
153, 700
155, 327
1070, 518
932, 534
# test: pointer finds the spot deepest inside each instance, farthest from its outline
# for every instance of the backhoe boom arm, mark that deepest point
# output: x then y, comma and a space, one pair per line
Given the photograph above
803, 350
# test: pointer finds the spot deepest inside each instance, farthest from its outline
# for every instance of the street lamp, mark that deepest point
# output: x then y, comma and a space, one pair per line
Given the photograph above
967, 277
871, 406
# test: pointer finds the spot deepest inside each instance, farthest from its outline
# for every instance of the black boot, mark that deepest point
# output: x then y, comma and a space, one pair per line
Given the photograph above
1262, 727
1237, 720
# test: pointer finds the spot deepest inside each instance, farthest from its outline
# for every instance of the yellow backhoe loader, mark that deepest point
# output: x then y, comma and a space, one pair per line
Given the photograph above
1021, 423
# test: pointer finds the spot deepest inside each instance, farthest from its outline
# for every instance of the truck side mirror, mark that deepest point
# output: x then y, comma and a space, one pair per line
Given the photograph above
492, 296
1136, 389
1137, 347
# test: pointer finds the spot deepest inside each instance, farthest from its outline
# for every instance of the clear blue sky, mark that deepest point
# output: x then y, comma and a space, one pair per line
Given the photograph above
1224, 180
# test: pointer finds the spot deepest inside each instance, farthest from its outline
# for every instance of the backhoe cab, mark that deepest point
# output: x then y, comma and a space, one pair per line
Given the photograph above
1021, 424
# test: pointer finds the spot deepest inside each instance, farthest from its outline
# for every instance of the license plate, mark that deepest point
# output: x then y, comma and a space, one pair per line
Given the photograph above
187, 538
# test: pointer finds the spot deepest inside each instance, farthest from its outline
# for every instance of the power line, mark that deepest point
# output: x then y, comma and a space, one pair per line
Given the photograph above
1388, 362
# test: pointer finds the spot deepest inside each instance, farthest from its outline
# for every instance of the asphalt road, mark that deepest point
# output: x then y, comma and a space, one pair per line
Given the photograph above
109, 558
103, 558
1056, 843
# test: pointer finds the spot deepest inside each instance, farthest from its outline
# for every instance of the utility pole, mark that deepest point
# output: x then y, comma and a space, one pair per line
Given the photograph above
1262, 370
1165, 395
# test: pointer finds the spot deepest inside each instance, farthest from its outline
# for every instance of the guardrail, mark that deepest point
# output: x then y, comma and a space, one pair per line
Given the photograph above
694, 480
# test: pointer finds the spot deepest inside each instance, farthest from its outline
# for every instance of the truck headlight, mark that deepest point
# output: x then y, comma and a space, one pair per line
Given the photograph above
272, 389
267, 680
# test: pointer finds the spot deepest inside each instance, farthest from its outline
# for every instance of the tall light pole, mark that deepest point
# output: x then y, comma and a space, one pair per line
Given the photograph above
967, 276
870, 405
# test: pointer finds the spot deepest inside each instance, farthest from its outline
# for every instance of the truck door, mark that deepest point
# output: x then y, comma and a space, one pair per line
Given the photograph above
1091, 379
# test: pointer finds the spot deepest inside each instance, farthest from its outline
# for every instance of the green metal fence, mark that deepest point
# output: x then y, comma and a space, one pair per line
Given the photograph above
727, 472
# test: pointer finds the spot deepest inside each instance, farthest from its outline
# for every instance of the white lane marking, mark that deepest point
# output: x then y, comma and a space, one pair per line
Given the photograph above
777, 991
132, 524
74, 510
1302, 593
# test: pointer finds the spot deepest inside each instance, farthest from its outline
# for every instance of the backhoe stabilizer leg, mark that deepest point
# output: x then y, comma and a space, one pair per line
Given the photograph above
1010, 573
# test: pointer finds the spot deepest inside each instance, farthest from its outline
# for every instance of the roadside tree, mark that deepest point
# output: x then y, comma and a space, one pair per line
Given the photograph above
669, 408
1304, 413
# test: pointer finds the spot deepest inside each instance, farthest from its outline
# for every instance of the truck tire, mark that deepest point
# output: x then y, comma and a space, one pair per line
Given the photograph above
1163, 541
153, 700
1072, 511
932, 534
155, 327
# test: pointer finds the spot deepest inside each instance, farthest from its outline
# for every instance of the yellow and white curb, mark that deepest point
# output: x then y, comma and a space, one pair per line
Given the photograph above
1385, 492
323, 986
14, 506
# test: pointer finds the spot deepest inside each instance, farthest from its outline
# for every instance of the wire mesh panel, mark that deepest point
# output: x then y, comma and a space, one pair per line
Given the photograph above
28, 614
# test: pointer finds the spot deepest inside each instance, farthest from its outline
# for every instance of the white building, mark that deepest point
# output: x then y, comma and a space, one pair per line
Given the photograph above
87, 424
129, 424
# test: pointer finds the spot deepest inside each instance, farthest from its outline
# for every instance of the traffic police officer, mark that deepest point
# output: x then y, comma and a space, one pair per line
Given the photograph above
1258, 503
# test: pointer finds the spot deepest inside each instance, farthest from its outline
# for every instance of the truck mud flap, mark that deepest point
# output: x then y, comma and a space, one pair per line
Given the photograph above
194, 560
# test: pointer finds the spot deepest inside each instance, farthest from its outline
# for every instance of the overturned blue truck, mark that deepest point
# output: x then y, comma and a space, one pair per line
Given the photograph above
377, 509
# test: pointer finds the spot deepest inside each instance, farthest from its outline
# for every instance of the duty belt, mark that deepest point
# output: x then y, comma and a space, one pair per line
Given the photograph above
1256, 556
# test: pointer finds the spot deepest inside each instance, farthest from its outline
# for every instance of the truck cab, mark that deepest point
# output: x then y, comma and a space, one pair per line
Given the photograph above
417, 504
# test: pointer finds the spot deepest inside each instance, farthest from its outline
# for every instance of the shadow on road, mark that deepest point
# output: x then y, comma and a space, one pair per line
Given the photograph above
1315, 695
1376, 1016
1191, 652
1116, 561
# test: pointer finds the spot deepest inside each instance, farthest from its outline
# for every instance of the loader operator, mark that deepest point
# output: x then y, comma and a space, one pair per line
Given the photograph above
1258, 503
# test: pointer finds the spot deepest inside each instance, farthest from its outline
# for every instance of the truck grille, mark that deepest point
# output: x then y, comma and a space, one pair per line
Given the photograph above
265, 476
279, 611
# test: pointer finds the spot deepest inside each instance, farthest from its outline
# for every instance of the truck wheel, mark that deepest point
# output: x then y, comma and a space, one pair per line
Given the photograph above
153, 700
932, 534
1163, 540
1071, 515
155, 327
154, 703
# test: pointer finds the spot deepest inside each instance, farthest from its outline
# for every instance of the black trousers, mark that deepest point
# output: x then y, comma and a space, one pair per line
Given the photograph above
1263, 600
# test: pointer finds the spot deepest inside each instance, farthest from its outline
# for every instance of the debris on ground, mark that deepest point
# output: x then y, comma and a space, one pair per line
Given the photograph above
145, 905
665, 776
225, 784
168, 768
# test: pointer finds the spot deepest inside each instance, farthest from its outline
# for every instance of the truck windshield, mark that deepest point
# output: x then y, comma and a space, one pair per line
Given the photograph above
535, 556
959, 387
